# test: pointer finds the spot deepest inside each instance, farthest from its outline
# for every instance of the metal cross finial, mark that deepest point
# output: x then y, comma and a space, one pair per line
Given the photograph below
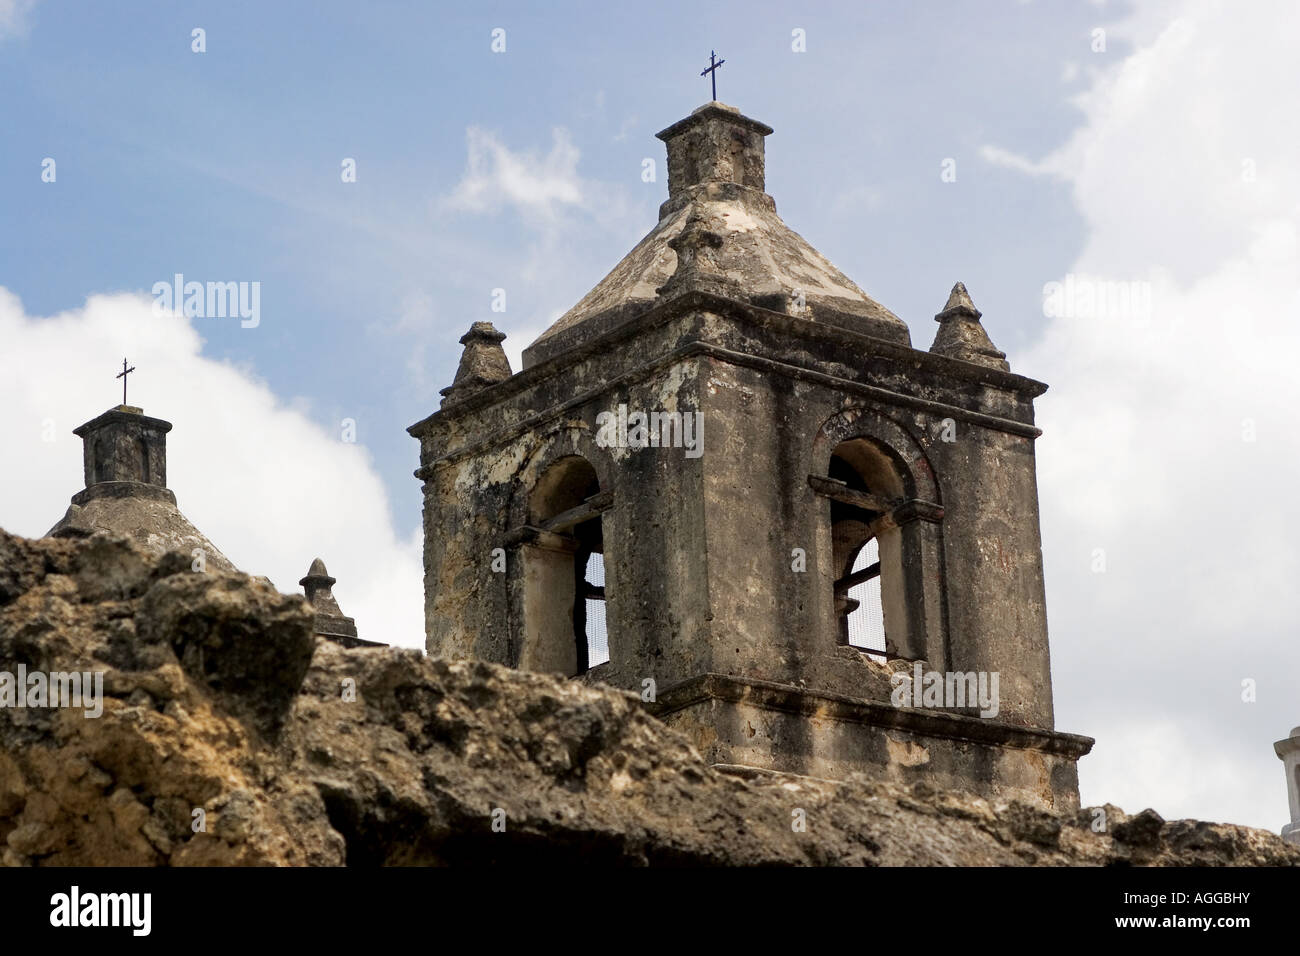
122, 375
711, 72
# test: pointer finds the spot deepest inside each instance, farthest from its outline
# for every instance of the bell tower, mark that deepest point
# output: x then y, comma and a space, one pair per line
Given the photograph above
726, 480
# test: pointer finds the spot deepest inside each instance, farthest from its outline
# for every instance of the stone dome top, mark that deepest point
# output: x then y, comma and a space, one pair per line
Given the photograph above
719, 232
125, 464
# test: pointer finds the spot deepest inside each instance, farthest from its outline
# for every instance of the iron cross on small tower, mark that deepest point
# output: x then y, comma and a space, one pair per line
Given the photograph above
712, 74
122, 375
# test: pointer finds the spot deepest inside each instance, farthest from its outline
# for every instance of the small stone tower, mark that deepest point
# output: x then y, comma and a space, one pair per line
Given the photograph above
331, 623
125, 459
726, 481
1288, 751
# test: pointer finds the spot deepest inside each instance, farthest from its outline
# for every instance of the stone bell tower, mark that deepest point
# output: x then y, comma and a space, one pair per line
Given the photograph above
725, 480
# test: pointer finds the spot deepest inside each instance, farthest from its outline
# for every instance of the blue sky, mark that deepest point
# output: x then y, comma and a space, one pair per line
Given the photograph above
1162, 159
225, 165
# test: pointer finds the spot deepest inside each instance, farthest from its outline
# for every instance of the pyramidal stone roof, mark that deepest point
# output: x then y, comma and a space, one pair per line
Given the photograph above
125, 459
719, 232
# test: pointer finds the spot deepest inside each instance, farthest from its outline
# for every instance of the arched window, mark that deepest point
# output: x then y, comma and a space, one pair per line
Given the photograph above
864, 490
564, 571
884, 539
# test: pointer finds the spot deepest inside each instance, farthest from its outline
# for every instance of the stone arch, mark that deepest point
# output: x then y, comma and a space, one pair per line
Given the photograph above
556, 511
565, 441
894, 442
882, 488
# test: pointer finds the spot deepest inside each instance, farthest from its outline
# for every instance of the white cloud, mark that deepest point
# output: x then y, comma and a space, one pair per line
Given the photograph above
568, 221
13, 17
534, 184
1145, 451
626, 128
998, 156
270, 487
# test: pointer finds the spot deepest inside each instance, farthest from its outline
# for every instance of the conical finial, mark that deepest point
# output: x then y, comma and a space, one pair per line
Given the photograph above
317, 580
483, 362
331, 623
317, 584
959, 303
961, 336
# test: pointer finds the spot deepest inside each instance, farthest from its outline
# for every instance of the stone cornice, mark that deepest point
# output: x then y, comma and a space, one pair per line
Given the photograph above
731, 309
933, 723
123, 489
119, 416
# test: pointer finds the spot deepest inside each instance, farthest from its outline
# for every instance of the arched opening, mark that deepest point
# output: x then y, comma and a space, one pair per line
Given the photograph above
882, 550
864, 490
564, 571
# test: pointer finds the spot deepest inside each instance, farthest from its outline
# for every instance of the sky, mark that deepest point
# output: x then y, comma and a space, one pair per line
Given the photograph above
1141, 157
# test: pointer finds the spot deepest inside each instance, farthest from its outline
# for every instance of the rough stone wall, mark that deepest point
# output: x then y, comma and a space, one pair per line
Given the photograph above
823, 738
218, 698
996, 600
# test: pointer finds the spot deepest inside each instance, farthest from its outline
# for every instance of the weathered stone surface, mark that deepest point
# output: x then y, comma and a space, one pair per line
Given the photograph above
154, 523
217, 698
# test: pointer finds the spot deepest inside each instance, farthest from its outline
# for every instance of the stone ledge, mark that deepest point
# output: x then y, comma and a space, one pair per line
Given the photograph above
123, 414
632, 321
931, 723
123, 489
